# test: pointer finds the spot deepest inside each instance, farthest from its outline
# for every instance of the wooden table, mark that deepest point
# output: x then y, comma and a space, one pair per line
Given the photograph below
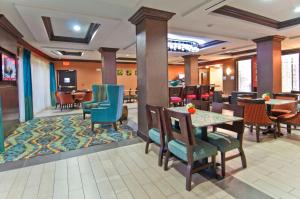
203, 119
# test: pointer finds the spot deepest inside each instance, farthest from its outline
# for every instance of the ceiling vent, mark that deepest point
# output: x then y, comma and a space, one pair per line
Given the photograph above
206, 6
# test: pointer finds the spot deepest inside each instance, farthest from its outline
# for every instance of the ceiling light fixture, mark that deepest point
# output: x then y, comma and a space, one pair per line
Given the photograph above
184, 46
76, 28
297, 9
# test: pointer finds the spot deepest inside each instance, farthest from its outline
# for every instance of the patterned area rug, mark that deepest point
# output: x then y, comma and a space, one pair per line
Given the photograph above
43, 136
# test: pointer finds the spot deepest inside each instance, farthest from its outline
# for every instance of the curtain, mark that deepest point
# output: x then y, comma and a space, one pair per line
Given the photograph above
52, 84
40, 71
27, 84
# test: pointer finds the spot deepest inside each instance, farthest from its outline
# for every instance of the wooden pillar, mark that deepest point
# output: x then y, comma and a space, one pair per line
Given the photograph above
109, 65
269, 64
191, 69
152, 60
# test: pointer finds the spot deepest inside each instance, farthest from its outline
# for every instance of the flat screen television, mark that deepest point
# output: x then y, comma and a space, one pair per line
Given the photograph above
8, 68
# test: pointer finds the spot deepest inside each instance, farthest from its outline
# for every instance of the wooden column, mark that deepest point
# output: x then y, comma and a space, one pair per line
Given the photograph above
269, 64
191, 69
152, 60
109, 65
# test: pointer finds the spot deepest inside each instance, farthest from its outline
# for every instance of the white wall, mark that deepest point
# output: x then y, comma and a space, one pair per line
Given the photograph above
216, 77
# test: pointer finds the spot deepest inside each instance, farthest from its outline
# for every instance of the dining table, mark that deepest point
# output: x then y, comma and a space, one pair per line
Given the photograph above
273, 102
204, 119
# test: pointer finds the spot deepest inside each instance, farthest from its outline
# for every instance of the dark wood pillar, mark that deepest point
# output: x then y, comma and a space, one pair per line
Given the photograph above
109, 65
152, 60
269, 64
191, 69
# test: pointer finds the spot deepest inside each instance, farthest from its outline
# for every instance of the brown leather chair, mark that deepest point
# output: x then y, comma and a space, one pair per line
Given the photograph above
88, 96
57, 99
190, 93
255, 114
66, 100
291, 120
285, 108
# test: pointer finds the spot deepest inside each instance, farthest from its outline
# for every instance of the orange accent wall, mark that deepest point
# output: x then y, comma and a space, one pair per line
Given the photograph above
87, 73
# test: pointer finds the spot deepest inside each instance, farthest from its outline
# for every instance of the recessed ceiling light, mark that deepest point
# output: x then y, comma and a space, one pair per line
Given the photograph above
76, 28
297, 9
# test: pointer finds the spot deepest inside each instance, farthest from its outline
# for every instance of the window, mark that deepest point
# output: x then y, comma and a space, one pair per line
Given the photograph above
244, 75
290, 72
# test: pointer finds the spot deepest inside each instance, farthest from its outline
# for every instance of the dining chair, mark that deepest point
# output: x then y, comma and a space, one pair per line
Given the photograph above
285, 108
156, 133
57, 99
183, 145
190, 93
255, 114
204, 92
88, 96
175, 96
201, 105
225, 142
66, 100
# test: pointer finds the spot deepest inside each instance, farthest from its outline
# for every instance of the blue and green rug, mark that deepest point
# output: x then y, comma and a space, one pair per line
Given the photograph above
44, 136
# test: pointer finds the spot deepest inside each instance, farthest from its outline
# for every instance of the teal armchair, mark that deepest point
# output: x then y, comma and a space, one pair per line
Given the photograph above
99, 99
112, 112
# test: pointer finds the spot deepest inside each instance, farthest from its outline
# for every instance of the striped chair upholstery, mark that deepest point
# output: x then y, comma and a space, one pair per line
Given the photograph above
255, 114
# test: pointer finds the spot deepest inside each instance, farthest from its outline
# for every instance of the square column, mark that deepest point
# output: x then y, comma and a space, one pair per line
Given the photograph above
109, 65
191, 69
152, 60
269, 64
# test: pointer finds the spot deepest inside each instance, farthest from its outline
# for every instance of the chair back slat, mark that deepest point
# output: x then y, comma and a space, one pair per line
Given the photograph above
190, 90
175, 91
185, 132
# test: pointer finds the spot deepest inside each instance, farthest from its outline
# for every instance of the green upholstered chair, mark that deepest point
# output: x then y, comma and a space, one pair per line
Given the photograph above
156, 132
225, 142
183, 145
99, 99
112, 111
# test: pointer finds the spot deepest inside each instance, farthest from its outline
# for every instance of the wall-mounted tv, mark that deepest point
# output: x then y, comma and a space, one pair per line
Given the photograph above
8, 68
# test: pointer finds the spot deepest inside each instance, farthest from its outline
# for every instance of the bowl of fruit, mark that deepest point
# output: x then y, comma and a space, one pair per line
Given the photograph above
266, 96
191, 108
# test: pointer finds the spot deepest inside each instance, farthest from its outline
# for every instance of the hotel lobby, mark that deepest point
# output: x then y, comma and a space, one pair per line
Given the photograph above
117, 99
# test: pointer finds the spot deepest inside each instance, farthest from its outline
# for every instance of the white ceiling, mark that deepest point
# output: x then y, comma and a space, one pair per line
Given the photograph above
191, 20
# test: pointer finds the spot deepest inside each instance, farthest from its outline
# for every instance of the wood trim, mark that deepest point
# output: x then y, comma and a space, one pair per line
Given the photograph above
28, 46
240, 52
212, 62
269, 38
105, 49
9, 27
126, 59
150, 13
256, 18
52, 37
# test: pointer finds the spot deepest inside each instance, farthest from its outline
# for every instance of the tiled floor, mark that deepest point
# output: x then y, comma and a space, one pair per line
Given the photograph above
126, 172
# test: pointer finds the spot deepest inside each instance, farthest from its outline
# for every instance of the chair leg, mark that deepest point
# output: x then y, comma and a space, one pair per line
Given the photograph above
289, 129
93, 126
251, 128
84, 116
61, 107
257, 133
115, 126
278, 129
188, 175
166, 160
214, 165
243, 157
160, 156
147, 146
223, 163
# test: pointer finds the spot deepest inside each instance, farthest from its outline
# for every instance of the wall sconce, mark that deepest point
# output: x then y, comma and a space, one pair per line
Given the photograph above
66, 63
228, 71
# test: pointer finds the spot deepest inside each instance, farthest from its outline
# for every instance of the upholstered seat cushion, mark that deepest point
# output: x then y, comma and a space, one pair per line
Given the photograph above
200, 151
277, 112
191, 96
91, 105
175, 99
223, 141
154, 135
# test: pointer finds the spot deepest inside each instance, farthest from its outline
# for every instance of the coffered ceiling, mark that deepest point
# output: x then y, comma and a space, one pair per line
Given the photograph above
194, 19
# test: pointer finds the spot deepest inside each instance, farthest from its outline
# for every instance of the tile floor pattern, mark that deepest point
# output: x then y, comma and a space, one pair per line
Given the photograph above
127, 172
